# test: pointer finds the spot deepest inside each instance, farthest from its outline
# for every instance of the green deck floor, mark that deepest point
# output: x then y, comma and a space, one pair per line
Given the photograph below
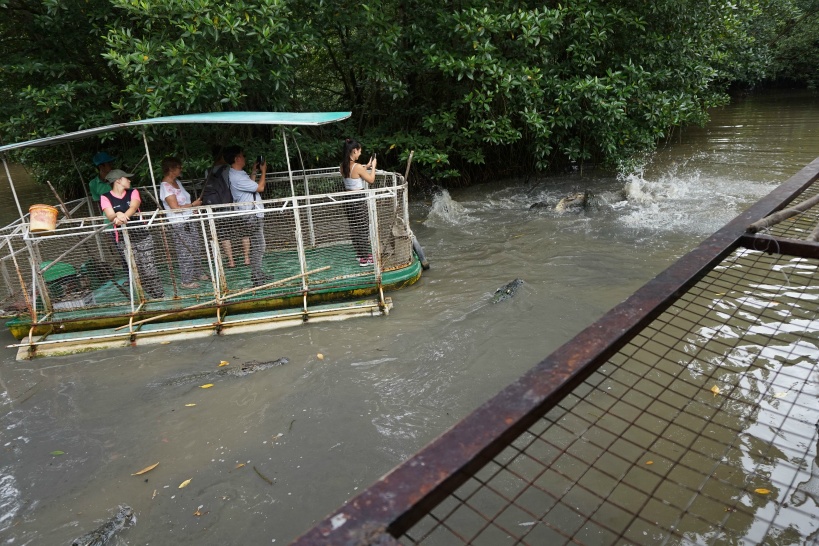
345, 279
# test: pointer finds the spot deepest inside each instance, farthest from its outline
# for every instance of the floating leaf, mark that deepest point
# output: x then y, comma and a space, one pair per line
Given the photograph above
780, 395
320, 356
189, 405
240, 465
164, 342
154, 495
223, 363
715, 390
185, 483
649, 462
762, 491
207, 386
198, 513
58, 452
146, 469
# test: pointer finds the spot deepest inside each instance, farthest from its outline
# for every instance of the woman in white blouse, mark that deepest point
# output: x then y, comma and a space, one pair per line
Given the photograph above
187, 237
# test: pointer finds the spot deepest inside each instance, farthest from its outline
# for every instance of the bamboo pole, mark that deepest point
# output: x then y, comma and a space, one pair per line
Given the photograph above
783, 214
59, 199
239, 293
814, 236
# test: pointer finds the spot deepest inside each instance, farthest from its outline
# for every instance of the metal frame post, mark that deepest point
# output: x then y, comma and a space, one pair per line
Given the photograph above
151, 168
13, 191
296, 218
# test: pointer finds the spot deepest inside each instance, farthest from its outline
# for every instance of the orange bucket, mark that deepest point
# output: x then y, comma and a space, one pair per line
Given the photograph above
42, 218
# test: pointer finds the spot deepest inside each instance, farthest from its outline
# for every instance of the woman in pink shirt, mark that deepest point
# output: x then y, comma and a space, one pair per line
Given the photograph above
121, 207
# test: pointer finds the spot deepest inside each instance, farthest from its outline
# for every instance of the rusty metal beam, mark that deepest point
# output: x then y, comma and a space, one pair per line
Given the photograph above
411, 490
780, 245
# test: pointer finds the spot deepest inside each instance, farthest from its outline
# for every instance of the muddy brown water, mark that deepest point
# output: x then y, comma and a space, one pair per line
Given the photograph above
271, 453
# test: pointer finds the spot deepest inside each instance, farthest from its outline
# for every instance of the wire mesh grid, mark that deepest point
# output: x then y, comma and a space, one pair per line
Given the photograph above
15, 272
801, 225
702, 430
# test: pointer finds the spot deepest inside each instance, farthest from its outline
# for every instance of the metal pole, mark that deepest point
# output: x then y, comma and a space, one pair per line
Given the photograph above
296, 217
307, 195
375, 241
133, 274
13, 191
210, 255
151, 168
23, 289
92, 212
289, 170
36, 259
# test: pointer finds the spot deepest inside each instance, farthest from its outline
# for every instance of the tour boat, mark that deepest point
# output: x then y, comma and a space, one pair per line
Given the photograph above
68, 289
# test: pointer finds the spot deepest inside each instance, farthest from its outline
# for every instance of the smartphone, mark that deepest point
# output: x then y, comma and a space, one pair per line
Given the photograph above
374, 154
260, 161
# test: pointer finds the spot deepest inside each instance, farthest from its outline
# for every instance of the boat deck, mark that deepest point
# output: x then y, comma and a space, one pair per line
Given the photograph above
114, 294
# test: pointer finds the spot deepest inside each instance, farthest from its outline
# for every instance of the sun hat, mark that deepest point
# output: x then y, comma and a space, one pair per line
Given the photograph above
116, 174
102, 157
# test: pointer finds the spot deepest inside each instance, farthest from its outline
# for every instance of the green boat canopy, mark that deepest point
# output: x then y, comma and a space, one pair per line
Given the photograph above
238, 118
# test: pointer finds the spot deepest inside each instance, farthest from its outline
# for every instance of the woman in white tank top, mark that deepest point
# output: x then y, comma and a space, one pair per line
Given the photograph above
355, 175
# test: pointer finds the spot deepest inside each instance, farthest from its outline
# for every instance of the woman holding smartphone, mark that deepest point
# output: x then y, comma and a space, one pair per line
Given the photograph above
355, 175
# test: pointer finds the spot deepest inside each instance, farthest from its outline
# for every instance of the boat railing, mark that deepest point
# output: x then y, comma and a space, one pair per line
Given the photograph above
290, 247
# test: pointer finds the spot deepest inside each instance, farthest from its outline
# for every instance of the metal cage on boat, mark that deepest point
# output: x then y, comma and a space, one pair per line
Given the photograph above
319, 252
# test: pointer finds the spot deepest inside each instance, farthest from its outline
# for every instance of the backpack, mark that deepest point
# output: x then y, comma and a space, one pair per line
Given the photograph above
217, 186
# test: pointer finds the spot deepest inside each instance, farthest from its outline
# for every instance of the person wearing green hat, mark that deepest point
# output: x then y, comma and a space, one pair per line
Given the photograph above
98, 185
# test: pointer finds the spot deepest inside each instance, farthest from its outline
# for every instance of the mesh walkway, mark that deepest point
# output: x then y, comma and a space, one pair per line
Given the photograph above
701, 429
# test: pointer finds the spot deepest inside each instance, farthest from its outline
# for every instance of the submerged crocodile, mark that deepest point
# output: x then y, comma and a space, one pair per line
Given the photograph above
574, 202
507, 290
247, 368
102, 534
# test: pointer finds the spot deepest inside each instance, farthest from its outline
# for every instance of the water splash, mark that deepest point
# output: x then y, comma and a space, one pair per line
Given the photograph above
681, 199
445, 211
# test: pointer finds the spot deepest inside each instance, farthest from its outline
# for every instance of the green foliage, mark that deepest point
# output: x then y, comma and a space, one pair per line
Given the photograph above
794, 40
476, 88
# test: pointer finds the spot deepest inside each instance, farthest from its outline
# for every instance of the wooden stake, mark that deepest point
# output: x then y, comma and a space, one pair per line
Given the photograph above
409, 162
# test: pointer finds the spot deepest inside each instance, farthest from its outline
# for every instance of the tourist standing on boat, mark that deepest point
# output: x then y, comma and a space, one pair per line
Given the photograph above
119, 205
187, 239
246, 190
355, 175
223, 224
98, 185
